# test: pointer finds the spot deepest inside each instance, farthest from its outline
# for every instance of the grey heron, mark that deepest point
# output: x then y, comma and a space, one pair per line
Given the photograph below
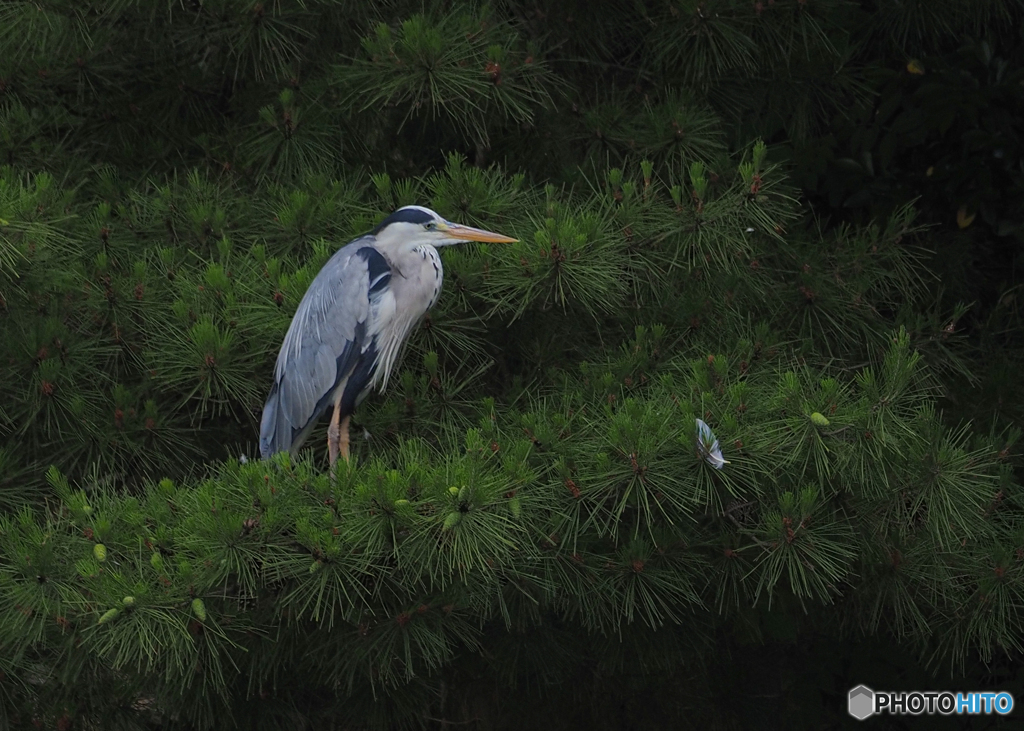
349, 328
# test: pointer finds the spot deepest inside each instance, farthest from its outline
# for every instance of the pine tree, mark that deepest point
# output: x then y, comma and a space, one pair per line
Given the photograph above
791, 221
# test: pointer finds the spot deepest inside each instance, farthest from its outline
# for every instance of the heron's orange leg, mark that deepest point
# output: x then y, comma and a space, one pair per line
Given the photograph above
343, 439
334, 432
337, 435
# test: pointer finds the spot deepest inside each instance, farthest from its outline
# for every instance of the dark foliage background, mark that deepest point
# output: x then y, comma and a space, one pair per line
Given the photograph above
799, 220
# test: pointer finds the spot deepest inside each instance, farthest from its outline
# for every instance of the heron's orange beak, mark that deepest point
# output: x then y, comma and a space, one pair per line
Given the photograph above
468, 233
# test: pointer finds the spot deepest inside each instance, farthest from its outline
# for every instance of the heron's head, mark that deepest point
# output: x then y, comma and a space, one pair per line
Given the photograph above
415, 225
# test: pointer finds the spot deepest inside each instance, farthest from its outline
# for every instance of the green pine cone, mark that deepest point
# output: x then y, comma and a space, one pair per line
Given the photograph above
819, 419
199, 609
108, 615
100, 552
452, 520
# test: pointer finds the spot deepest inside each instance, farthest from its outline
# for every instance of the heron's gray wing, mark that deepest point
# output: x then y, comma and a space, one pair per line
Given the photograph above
325, 342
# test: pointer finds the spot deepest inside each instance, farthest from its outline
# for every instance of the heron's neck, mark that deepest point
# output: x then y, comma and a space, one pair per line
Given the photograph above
402, 249
424, 255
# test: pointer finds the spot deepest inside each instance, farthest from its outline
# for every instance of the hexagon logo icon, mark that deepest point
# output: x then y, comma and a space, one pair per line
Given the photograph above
861, 702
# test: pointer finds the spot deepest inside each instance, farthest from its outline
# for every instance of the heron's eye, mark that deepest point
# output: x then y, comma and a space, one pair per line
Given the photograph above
432, 226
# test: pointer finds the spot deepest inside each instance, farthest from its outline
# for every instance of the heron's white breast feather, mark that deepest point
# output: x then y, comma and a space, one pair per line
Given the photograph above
413, 288
385, 326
